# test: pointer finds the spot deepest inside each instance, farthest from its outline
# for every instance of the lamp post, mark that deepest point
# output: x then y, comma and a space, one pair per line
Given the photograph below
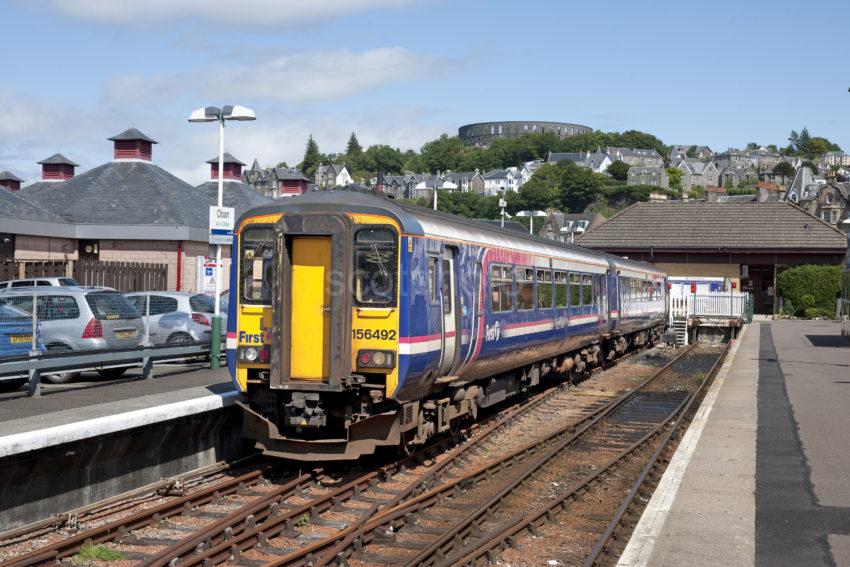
531, 215
220, 115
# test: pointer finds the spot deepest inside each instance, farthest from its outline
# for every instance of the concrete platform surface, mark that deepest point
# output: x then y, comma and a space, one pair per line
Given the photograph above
95, 408
762, 477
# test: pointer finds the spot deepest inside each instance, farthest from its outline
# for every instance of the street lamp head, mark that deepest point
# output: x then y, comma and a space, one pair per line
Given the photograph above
205, 114
237, 112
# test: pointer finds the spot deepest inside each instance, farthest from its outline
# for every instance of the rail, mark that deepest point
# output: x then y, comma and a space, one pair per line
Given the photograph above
33, 366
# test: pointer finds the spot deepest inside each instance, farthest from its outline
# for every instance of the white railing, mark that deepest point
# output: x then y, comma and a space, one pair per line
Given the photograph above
716, 304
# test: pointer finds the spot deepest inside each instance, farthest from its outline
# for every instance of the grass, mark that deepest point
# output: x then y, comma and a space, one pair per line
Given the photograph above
303, 521
90, 552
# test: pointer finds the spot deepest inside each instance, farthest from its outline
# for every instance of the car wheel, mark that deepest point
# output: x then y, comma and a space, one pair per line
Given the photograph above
61, 377
179, 339
112, 373
9, 385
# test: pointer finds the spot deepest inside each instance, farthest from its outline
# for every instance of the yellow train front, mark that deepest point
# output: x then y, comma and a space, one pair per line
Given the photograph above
357, 322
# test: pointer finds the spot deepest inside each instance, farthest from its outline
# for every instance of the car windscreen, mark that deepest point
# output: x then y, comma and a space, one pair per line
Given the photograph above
202, 303
68, 282
111, 306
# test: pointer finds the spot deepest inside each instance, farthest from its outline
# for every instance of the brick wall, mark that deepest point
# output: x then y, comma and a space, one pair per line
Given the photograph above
29, 247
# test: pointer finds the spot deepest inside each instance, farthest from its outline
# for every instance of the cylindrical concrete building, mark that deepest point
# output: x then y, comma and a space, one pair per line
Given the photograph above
483, 133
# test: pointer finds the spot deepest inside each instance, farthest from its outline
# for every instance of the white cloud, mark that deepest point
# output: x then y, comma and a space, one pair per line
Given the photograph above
299, 78
226, 12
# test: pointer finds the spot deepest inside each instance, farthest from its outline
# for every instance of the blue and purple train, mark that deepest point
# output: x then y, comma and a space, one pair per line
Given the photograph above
357, 322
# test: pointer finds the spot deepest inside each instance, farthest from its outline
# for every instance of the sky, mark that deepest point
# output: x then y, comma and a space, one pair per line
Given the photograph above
402, 72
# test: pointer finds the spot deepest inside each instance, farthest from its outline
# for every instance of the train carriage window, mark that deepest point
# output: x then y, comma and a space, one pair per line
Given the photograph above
524, 289
501, 288
375, 266
448, 294
432, 280
587, 289
544, 289
562, 292
575, 290
256, 264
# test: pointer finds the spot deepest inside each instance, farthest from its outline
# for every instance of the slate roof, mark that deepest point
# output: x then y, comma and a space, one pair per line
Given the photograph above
133, 134
57, 158
234, 194
632, 152
9, 176
122, 193
496, 174
288, 174
14, 206
335, 168
228, 158
748, 226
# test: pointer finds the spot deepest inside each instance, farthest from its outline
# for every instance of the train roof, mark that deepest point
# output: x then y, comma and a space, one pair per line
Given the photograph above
418, 220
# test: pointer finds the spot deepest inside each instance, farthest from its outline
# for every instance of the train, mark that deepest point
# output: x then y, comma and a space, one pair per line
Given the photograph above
356, 321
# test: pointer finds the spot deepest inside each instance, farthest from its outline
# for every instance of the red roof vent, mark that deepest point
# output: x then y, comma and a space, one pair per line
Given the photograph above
57, 168
10, 181
232, 167
132, 144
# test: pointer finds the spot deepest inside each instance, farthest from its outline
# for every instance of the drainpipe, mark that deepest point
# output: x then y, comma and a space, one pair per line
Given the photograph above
179, 265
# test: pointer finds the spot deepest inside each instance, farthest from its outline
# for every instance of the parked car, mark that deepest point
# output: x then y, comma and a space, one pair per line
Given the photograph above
176, 317
80, 319
43, 282
16, 339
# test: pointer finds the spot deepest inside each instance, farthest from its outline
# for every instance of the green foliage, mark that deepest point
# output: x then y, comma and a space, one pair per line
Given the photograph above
753, 146
312, 158
741, 191
578, 186
543, 190
89, 552
784, 168
620, 197
811, 289
353, 148
692, 152
381, 158
442, 154
808, 146
303, 521
619, 170
811, 165
674, 177
469, 205
282, 164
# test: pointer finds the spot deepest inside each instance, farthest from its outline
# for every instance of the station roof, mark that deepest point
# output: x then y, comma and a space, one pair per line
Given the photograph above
713, 226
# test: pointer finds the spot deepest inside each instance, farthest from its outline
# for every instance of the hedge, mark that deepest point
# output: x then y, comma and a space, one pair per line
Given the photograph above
810, 290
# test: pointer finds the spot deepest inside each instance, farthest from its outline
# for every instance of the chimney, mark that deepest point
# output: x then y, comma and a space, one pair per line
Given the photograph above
57, 168
713, 193
133, 145
232, 168
10, 181
380, 183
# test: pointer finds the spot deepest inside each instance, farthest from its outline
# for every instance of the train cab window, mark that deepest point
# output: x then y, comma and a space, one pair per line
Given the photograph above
586, 289
256, 265
544, 289
562, 291
375, 267
501, 288
524, 289
432, 280
575, 290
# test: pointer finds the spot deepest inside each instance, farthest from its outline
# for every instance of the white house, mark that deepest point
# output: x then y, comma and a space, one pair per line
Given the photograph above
333, 175
498, 181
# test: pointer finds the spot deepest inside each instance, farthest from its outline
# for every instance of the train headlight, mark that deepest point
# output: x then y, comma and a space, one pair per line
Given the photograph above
376, 359
248, 354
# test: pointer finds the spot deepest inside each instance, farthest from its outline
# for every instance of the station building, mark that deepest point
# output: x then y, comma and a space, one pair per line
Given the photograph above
127, 214
747, 244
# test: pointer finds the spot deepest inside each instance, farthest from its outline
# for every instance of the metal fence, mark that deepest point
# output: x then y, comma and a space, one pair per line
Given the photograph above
52, 323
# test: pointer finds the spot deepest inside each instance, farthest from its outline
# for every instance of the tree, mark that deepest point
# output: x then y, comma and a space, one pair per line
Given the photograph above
692, 152
674, 176
312, 157
807, 146
753, 146
543, 190
579, 186
353, 148
282, 165
442, 154
382, 158
784, 168
619, 170
811, 165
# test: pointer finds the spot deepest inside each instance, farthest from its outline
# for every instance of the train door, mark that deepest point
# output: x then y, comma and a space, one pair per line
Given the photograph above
311, 268
602, 301
448, 301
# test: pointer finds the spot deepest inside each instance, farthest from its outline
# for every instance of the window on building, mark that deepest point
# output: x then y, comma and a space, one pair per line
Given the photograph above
524, 288
587, 289
544, 289
501, 288
562, 292
575, 290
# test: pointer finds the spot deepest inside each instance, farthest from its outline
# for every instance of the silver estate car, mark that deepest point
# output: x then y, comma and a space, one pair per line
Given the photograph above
79, 319
176, 317
40, 282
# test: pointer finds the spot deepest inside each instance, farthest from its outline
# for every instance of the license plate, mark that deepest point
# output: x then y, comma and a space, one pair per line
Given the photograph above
126, 333
20, 339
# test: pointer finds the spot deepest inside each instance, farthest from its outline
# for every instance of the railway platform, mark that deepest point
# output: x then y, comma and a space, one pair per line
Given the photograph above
762, 476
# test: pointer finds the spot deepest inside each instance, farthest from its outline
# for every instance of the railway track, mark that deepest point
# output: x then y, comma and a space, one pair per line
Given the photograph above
249, 515
472, 518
